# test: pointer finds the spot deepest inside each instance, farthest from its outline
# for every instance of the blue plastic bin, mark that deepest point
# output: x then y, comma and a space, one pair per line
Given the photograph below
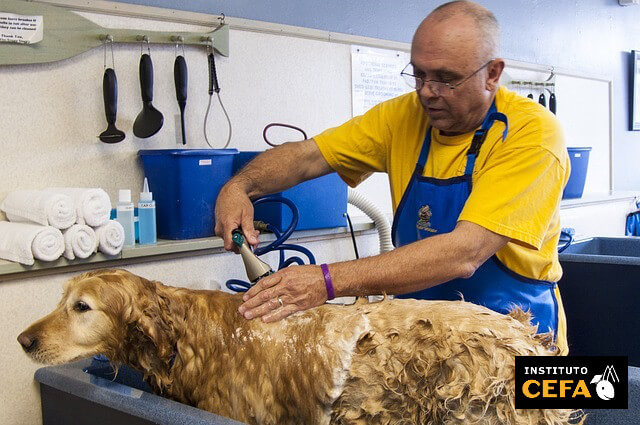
321, 202
579, 163
185, 184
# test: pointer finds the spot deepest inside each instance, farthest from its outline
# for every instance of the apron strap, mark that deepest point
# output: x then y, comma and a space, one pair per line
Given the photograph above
424, 152
477, 141
499, 116
480, 135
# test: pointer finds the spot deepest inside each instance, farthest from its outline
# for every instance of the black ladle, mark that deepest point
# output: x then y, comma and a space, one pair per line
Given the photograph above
149, 121
180, 79
110, 94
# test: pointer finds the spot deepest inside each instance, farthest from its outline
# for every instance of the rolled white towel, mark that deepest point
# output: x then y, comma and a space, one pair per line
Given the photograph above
21, 242
79, 241
93, 206
38, 206
110, 238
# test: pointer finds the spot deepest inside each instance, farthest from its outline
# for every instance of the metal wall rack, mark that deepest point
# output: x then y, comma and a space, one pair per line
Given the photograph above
67, 34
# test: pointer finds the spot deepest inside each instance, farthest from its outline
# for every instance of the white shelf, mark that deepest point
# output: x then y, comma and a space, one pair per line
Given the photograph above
163, 249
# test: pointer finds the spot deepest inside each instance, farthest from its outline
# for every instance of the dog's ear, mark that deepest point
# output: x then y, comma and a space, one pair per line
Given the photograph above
150, 323
154, 325
151, 343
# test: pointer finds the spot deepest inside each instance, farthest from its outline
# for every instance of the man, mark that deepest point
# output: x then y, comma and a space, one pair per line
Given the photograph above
476, 175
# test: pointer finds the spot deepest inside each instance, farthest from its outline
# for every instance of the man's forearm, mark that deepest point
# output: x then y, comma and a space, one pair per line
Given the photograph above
280, 168
417, 266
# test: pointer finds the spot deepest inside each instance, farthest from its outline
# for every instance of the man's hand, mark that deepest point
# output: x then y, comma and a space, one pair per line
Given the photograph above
234, 209
292, 289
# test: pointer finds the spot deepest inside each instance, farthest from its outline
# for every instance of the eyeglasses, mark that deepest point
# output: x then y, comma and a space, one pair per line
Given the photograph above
438, 88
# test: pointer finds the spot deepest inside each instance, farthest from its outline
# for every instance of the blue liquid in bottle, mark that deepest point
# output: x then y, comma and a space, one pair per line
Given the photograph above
147, 216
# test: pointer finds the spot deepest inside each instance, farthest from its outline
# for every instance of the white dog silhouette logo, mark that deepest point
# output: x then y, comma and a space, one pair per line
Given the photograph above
604, 383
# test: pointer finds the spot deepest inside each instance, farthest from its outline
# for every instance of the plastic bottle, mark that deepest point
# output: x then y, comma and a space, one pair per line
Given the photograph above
124, 216
147, 216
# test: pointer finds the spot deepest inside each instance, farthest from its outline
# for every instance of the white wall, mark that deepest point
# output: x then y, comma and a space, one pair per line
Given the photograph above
598, 219
52, 114
49, 130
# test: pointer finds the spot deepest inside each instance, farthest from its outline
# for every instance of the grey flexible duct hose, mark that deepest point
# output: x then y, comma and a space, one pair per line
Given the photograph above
381, 223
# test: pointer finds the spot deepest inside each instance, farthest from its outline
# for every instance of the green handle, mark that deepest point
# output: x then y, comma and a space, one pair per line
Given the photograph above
237, 237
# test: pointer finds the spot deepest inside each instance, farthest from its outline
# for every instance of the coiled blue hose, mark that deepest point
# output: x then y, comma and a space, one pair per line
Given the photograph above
238, 285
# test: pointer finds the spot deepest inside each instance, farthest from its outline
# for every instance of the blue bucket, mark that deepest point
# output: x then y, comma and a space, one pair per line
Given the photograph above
579, 163
321, 202
185, 184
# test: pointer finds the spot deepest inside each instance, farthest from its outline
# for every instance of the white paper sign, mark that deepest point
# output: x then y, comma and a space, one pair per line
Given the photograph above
375, 77
20, 28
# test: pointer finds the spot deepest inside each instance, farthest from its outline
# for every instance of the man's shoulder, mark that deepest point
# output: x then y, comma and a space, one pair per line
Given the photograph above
532, 126
523, 110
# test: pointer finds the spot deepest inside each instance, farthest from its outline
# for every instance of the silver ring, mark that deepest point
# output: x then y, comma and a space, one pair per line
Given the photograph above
280, 302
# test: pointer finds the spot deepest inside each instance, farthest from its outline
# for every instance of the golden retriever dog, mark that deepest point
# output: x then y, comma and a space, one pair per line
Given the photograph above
391, 362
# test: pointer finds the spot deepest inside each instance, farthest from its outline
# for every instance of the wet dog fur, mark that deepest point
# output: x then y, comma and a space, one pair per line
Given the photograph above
391, 362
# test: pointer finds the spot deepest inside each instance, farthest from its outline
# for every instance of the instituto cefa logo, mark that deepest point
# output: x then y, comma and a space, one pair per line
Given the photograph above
581, 382
553, 388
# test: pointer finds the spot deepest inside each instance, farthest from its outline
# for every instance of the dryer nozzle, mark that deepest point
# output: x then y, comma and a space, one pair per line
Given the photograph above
255, 267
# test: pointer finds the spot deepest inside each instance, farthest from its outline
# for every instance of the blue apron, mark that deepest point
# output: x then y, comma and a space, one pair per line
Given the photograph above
432, 206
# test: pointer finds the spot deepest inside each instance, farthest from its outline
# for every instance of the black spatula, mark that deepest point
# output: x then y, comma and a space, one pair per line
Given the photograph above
542, 99
180, 79
552, 103
110, 94
149, 121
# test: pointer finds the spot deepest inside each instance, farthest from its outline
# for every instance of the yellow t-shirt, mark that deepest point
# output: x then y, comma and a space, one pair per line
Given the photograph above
517, 183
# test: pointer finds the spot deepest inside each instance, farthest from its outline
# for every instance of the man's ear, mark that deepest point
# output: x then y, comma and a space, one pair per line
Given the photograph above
494, 71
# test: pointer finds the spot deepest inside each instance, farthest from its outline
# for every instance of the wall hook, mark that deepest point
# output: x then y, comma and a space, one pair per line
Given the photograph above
144, 39
108, 39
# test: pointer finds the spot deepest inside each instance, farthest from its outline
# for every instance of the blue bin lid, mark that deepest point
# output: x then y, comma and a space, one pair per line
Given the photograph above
583, 149
188, 152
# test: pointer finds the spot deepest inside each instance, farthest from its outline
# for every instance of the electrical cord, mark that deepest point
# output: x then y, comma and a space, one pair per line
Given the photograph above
278, 124
353, 236
215, 87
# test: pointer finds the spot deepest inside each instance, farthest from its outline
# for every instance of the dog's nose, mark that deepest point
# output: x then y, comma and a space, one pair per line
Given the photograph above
28, 342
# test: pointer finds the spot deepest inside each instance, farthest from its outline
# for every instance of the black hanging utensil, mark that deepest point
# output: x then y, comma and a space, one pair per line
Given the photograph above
542, 99
552, 102
110, 94
180, 78
149, 121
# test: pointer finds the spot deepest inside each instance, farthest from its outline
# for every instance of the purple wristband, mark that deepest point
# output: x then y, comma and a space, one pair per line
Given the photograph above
328, 283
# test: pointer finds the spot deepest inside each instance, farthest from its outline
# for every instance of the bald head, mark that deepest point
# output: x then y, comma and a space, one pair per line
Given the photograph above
477, 21
456, 46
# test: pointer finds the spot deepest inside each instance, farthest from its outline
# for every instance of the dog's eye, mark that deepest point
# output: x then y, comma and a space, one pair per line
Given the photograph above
81, 306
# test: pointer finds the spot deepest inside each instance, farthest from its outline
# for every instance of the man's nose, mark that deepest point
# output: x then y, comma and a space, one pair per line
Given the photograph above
427, 91
29, 342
